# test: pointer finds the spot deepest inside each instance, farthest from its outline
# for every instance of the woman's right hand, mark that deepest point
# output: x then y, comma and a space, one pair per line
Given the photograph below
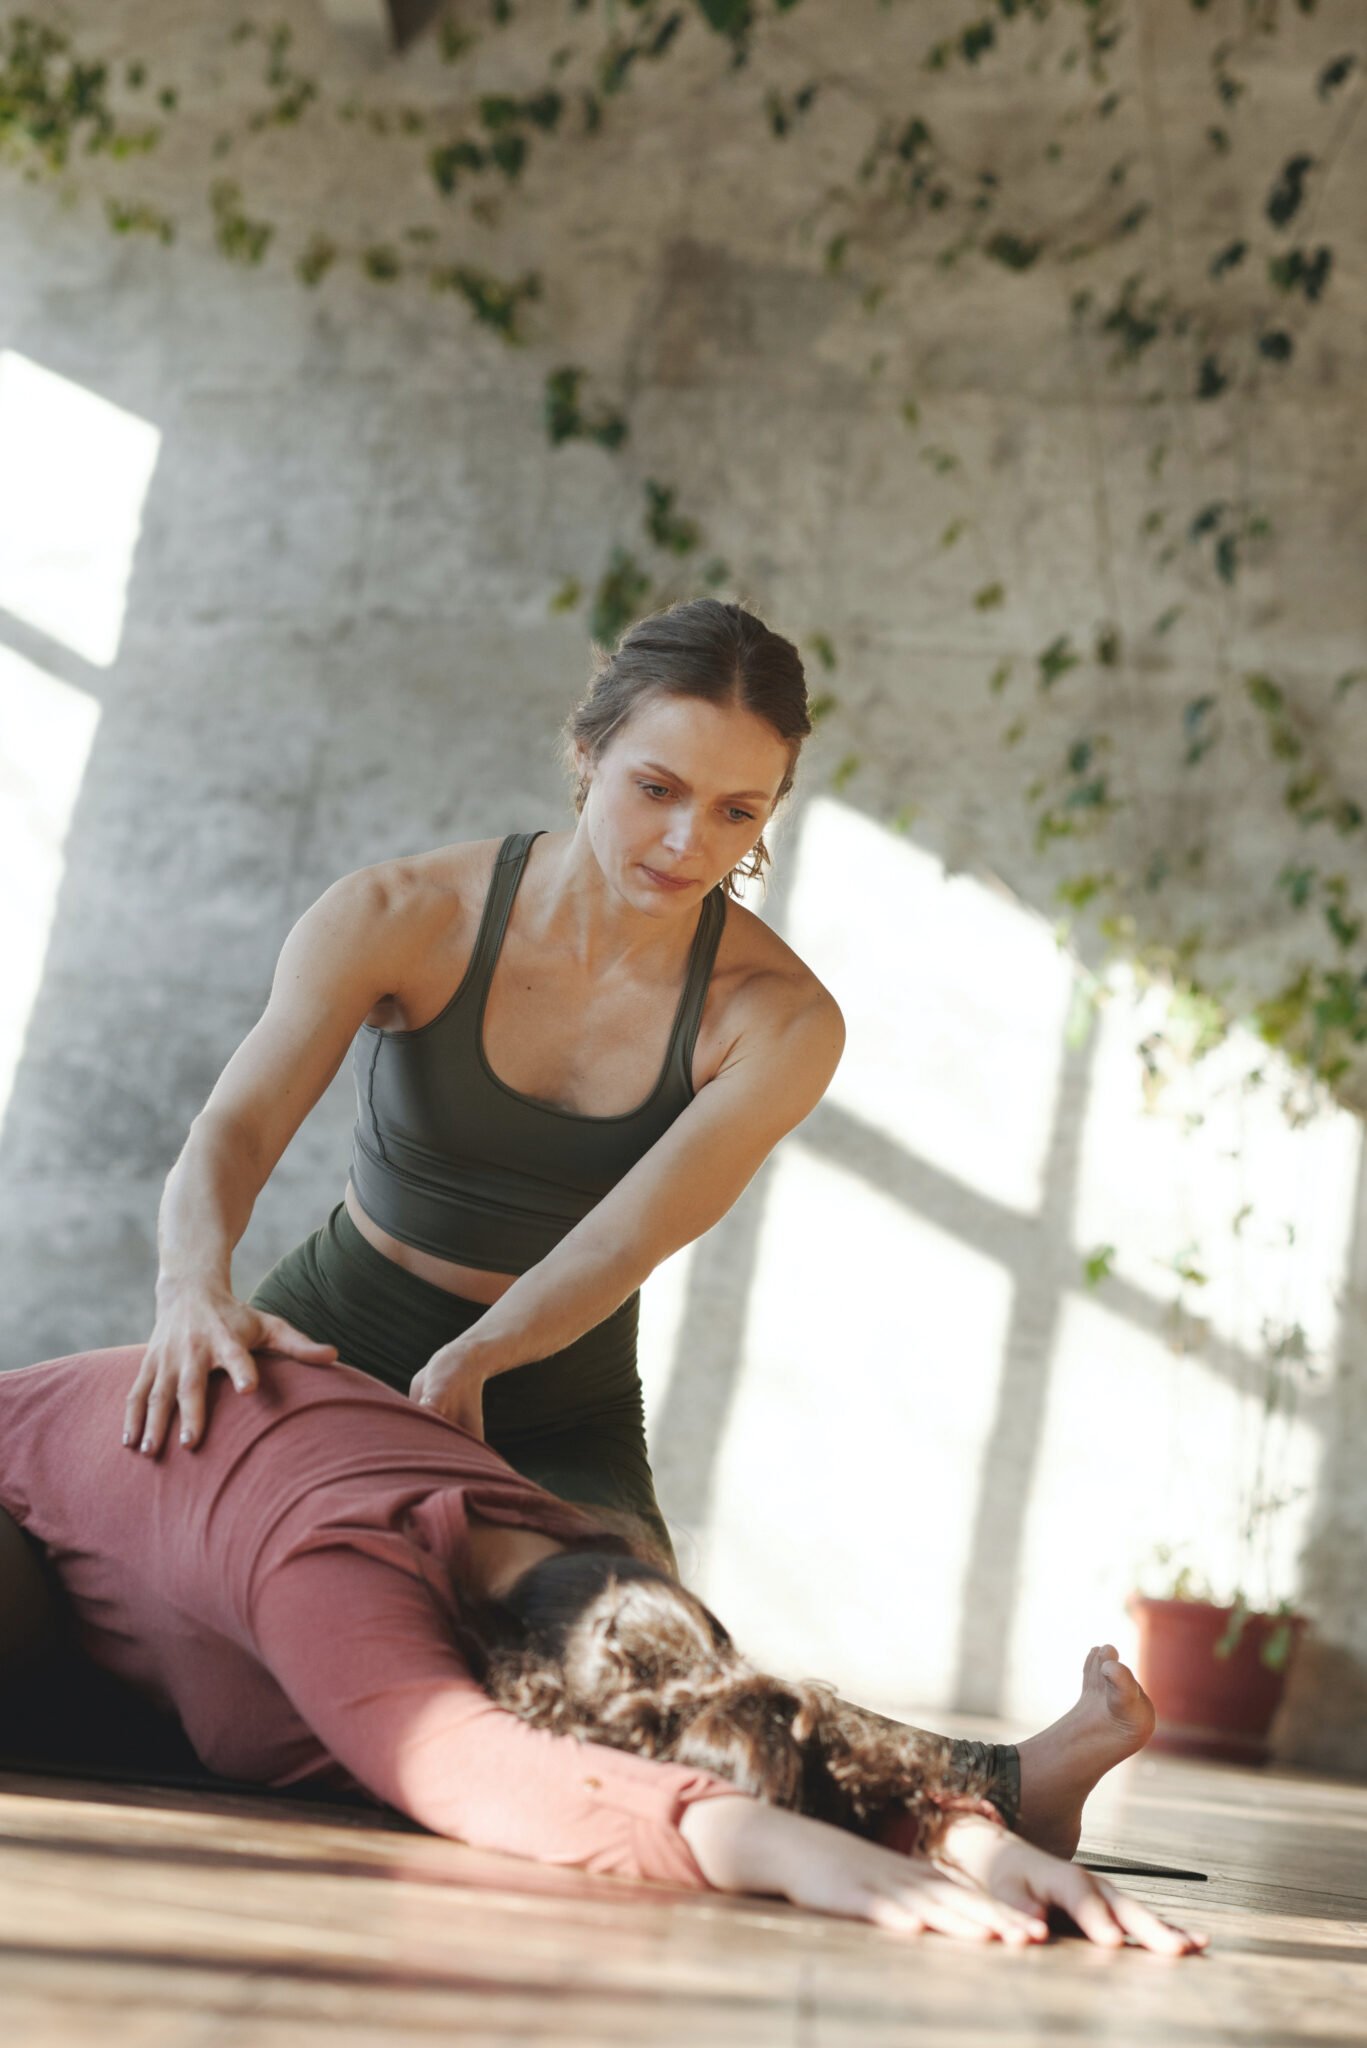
741, 1844
202, 1329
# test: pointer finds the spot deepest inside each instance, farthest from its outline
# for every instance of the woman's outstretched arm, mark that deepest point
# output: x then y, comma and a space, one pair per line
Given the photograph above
366, 1658
345, 953
784, 1052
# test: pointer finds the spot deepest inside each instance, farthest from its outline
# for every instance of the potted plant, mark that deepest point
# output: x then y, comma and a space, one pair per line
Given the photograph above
1216, 1668
1215, 1672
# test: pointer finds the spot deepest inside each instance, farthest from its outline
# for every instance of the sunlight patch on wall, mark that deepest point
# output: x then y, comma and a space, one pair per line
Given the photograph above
664, 1304
1216, 1182
847, 1481
955, 1000
46, 732
1141, 1447
74, 473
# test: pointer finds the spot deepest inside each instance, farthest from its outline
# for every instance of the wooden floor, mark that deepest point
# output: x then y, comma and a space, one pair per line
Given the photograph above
171, 1920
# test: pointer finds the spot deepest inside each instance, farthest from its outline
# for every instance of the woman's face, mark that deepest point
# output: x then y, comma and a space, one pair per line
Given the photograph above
678, 796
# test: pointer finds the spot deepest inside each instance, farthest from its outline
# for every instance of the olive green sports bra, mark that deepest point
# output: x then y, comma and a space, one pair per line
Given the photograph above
446, 1157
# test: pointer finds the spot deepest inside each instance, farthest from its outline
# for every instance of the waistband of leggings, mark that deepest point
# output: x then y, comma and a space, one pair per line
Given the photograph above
375, 1290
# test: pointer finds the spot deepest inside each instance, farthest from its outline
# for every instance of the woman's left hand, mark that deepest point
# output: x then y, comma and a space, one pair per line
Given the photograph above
1032, 1881
453, 1384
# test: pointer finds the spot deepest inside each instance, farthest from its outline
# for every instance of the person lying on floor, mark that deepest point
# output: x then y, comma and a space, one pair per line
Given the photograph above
341, 1589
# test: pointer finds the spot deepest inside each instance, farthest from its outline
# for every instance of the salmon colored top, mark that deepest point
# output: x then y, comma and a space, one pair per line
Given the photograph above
292, 1588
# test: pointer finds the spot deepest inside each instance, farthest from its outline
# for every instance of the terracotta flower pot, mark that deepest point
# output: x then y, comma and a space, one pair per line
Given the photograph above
1209, 1705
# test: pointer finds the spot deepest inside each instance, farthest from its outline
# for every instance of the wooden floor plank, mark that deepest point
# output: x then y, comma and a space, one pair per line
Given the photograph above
138, 1918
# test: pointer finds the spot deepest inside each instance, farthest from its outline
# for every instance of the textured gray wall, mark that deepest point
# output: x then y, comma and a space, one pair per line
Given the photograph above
337, 641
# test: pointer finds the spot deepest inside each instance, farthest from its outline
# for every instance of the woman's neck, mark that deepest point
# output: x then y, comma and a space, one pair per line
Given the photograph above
498, 1554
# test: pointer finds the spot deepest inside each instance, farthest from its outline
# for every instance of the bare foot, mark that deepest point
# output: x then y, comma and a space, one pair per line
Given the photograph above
1111, 1719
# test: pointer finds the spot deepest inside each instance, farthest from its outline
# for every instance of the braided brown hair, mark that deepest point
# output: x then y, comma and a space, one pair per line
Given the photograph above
613, 1650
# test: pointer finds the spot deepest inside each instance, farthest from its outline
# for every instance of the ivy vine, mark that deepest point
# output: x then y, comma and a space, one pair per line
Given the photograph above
910, 188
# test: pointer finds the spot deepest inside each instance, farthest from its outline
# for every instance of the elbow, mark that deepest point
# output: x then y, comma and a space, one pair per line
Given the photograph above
233, 1141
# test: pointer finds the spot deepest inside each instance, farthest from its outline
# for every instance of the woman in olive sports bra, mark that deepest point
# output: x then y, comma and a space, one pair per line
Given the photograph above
572, 1050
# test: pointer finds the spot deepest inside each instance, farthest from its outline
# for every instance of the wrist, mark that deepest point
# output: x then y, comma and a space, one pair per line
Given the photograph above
172, 1286
476, 1357
731, 1843
966, 1839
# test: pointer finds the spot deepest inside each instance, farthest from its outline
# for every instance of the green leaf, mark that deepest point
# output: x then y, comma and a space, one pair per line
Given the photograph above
1207, 519
447, 163
1097, 1265
1015, 252
845, 771
1090, 796
1229, 258
1198, 729
1056, 660
728, 17
1078, 890
1334, 74
666, 527
1284, 200
1233, 1635
1350, 681
316, 259
622, 595
509, 152
821, 707
989, 598
1211, 380
1275, 1652
823, 648
1347, 930
999, 678
568, 595
1265, 693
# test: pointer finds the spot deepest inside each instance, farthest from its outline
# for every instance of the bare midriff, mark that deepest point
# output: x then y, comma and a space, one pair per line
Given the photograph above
472, 1283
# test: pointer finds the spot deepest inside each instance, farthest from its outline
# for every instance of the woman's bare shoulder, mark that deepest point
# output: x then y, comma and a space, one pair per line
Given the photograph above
413, 888
418, 914
762, 989
755, 954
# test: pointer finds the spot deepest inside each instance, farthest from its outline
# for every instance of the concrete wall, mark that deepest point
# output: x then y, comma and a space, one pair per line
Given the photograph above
274, 591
